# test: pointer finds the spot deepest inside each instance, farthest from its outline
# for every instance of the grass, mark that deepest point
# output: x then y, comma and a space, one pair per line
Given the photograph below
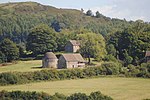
22, 66
32, 65
117, 88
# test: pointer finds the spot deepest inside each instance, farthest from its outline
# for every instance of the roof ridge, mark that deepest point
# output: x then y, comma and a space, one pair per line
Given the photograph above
73, 57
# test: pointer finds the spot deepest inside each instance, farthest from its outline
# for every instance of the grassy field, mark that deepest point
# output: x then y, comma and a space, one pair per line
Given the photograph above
118, 88
22, 66
32, 65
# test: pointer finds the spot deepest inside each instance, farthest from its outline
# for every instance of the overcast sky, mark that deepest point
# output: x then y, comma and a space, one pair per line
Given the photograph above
128, 9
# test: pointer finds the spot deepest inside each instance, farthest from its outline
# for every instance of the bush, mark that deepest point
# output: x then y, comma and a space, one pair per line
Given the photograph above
21, 95
58, 96
110, 68
8, 78
146, 65
132, 70
110, 58
78, 96
99, 96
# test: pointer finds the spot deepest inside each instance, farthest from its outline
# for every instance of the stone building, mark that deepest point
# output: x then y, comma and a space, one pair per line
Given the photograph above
71, 61
72, 46
147, 56
49, 60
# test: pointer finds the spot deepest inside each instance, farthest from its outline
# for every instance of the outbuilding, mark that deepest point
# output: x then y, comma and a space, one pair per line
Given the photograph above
147, 56
71, 61
49, 60
72, 46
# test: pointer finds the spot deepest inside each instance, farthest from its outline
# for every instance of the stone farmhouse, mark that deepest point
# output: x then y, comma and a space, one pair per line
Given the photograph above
147, 56
72, 46
71, 61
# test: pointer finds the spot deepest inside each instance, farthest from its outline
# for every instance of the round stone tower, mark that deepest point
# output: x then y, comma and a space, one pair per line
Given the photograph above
49, 60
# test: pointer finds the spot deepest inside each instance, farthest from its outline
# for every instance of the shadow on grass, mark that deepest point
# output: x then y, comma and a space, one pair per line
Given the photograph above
37, 67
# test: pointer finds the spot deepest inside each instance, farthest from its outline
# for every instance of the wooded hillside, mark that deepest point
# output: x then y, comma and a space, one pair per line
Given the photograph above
125, 40
16, 19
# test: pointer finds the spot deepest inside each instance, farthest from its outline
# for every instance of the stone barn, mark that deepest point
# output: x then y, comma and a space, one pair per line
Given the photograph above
71, 61
147, 56
49, 60
72, 46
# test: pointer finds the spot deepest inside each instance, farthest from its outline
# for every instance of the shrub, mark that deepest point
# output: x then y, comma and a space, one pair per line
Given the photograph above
21, 95
110, 68
132, 70
78, 96
99, 96
58, 96
110, 58
8, 78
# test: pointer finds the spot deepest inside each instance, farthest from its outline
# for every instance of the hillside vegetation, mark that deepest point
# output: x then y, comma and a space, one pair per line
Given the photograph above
37, 28
16, 19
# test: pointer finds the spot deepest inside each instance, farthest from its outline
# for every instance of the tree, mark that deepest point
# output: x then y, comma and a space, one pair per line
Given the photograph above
92, 45
111, 50
62, 38
9, 49
127, 59
98, 15
56, 25
89, 13
41, 39
22, 50
131, 43
2, 57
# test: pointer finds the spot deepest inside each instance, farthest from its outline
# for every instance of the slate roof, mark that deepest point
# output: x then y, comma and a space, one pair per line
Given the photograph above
74, 42
147, 54
73, 57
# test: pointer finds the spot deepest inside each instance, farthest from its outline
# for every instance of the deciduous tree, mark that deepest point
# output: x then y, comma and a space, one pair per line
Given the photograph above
41, 39
92, 45
9, 49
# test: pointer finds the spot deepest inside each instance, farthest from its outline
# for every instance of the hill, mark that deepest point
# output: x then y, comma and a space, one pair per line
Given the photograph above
16, 19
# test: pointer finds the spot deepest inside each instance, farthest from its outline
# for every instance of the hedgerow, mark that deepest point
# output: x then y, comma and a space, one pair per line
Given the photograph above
22, 95
77, 73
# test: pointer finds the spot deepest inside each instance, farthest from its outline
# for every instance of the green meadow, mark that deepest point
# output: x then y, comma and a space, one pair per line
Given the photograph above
22, 66
118, 88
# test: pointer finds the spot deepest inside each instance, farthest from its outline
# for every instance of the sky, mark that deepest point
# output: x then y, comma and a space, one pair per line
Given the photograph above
128, 9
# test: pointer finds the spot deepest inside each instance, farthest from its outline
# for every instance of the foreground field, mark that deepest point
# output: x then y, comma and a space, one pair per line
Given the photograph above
22, 66
117, 88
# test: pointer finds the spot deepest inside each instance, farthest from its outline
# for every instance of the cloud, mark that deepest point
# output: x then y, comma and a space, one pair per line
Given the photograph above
103, 9
128, 9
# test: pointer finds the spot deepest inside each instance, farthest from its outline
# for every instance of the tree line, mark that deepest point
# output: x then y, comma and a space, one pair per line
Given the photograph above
128, 45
